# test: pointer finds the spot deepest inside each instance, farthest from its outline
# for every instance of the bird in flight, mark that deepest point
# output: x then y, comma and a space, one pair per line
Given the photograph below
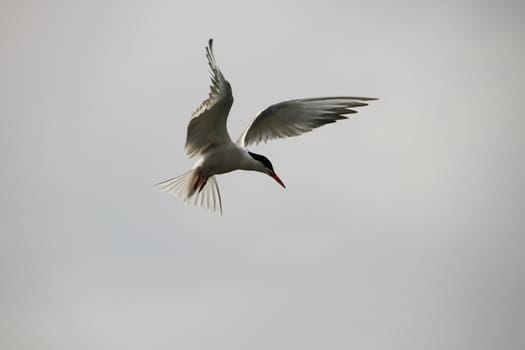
208, 138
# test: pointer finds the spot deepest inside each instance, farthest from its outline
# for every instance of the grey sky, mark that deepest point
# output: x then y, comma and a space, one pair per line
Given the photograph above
401, 228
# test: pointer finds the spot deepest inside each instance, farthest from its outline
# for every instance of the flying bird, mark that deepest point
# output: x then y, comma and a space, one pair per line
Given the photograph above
208, 138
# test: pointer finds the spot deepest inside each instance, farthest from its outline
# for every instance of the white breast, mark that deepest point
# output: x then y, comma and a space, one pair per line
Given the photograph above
224, 159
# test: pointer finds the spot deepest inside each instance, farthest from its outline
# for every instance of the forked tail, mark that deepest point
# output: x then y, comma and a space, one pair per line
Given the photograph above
191, 189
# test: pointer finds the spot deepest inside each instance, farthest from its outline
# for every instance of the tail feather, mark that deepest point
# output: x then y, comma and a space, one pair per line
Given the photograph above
187, 187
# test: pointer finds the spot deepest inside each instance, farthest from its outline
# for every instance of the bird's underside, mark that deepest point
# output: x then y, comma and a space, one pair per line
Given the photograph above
208, 138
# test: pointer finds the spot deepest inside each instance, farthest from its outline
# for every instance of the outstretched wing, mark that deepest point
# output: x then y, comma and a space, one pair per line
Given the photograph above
207, 127
296, 117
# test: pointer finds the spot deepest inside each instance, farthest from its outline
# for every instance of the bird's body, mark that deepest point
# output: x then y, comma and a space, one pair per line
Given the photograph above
224, 159
208, 137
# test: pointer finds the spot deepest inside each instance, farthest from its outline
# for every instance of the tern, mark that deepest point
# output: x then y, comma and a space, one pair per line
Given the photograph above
208, 138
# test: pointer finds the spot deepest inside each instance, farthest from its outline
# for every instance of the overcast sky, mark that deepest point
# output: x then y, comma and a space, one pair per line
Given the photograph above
400, 228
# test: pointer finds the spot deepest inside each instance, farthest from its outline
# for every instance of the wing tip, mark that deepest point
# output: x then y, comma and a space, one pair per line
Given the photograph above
360, 98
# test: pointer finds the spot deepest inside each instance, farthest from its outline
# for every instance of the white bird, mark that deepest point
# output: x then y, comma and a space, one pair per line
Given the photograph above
208, 137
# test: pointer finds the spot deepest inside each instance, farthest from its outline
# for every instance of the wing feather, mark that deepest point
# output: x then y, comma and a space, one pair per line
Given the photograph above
296, 117
207, 126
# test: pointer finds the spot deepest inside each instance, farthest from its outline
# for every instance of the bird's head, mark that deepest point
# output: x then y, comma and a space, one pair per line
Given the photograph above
265, 166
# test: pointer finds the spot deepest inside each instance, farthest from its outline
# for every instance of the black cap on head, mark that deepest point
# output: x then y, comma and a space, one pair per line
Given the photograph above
266, 162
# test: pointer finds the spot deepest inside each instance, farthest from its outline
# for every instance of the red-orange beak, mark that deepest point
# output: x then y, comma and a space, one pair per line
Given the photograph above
276, 178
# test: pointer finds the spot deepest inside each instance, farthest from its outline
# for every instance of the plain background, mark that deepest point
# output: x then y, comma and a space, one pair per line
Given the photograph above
400, 228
